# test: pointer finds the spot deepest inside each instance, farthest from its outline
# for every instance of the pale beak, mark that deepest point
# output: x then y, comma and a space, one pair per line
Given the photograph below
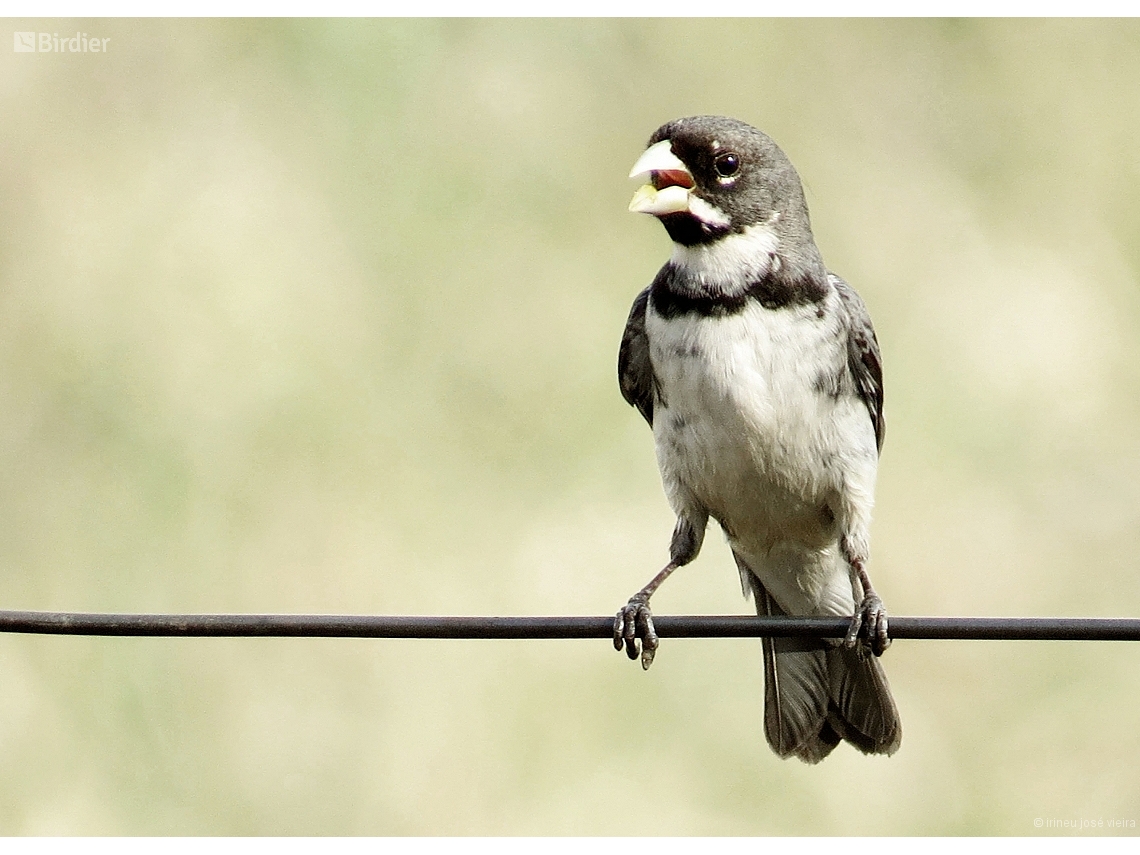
670, 182
658, 157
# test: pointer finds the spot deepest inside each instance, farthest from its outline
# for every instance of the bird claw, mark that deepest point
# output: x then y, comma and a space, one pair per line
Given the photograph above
871, 615
633, 622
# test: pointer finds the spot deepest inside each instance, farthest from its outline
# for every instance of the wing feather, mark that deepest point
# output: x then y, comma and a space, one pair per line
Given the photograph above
635, 370
863, 357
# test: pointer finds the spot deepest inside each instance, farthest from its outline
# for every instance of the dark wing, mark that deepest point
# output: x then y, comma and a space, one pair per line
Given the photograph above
635, 371
863, 357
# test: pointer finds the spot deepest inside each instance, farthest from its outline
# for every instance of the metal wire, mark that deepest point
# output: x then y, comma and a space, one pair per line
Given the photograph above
678, 626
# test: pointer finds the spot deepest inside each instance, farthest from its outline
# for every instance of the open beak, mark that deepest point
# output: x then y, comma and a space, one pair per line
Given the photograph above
667, 191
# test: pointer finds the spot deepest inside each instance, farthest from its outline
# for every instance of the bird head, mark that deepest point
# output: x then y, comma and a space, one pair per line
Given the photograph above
708, 177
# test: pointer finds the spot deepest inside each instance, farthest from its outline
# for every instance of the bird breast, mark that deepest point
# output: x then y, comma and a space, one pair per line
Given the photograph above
745, 427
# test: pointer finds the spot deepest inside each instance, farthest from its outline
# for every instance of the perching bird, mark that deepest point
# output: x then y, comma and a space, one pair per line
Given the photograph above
760, 374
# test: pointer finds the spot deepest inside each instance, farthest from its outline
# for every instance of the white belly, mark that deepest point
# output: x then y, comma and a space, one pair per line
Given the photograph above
744, 433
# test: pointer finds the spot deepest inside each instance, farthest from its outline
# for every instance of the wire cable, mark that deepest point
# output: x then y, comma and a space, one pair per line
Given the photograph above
668, 626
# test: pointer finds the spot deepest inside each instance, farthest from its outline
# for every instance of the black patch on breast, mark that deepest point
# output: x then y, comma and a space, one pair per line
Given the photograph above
673, 294
687, 351
829, 383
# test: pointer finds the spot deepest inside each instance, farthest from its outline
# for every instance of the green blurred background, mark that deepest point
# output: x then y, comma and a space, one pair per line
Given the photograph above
317, 316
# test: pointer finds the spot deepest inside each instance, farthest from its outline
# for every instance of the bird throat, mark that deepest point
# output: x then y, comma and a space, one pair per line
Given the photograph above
688, 230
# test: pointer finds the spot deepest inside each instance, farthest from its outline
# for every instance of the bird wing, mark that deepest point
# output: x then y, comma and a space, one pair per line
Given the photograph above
863, 358
635, 371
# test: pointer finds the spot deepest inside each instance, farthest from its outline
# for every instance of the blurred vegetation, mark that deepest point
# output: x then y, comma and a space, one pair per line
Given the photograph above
315, 316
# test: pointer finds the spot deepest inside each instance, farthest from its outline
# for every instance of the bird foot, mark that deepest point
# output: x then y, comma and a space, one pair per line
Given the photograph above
871, 616
634, 622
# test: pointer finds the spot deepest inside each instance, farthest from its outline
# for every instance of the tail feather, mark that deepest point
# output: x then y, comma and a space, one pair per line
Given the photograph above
817, 694
864, 711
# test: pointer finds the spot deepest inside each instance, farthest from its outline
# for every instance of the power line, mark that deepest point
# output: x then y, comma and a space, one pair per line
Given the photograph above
668, 626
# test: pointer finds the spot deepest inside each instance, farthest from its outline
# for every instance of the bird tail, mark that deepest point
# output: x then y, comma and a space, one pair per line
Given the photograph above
818, 693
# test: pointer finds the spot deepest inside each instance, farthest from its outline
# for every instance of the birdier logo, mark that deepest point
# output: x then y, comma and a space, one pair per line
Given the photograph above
26, 42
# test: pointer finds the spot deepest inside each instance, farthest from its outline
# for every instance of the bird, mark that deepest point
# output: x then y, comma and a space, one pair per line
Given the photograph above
760, 374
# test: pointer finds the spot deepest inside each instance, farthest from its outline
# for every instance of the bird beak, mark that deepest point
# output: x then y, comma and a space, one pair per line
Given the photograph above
669, 185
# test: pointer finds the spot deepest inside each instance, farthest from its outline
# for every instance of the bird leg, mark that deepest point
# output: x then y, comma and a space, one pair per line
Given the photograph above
635, 620
870, 613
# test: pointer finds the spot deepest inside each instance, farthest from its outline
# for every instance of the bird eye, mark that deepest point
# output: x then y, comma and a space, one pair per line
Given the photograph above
726, 164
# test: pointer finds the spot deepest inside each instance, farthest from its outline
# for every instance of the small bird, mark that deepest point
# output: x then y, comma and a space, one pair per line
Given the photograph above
760, 375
